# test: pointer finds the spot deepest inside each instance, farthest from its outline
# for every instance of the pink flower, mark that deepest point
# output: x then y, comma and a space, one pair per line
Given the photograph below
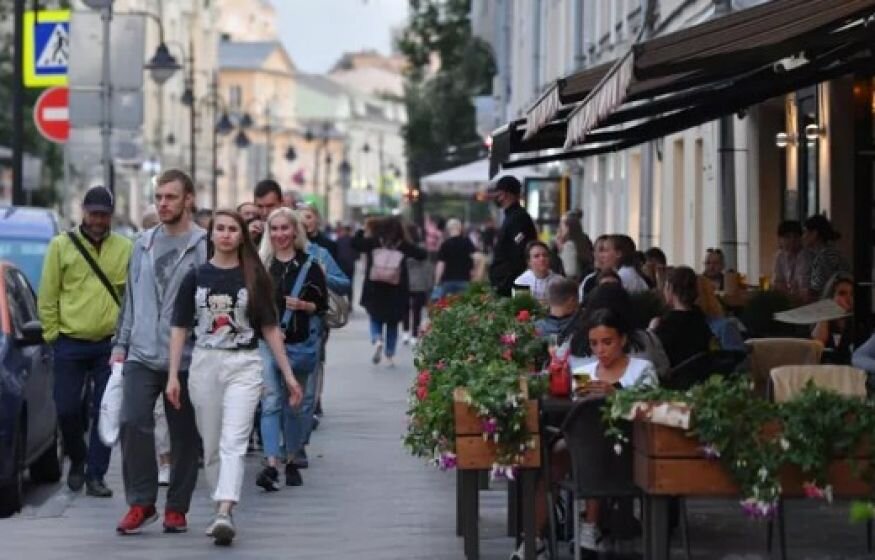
507, 354
758, 509
509, 339
421, 393
710, 452
523, 316
489, 425
812, 490
441, 365
423, 378
447, 461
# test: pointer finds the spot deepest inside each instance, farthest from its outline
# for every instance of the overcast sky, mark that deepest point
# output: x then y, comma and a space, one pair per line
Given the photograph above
316, 33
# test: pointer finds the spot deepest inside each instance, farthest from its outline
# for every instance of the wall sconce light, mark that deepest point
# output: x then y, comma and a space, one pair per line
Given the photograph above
814, 132
782, 140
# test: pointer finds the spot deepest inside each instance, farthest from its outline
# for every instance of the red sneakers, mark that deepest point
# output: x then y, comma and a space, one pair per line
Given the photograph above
174, 521
137, 518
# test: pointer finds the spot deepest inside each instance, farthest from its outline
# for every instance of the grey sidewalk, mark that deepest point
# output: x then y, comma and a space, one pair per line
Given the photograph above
365, 498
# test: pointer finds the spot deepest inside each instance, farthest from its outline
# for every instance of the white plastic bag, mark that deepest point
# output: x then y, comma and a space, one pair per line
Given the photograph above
111, 407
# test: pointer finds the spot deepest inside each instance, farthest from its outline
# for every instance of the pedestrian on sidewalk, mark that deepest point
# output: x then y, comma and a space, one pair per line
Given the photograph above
228, 303
455, 262
83, 278
324, 252
161, 258
386, 288
421, 278
283, 254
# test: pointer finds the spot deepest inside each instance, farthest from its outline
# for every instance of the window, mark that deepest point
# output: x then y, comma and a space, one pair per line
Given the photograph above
235, 97
22, 307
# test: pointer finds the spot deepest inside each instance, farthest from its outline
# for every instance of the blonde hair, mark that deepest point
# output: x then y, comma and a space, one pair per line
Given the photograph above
707, 299
266, 250
454, 227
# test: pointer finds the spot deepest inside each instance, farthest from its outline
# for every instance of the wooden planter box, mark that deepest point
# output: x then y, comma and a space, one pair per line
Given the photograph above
473, 453
667, 462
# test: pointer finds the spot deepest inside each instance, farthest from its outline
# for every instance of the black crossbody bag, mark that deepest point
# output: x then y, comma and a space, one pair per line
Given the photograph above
95, 267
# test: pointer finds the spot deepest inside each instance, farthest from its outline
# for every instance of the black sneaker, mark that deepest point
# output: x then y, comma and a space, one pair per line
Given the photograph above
318, 410
293, 476
97, 488
315, 425
269, 479
76, 477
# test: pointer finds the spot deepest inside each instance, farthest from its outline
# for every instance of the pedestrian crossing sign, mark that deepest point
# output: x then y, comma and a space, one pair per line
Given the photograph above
46, 48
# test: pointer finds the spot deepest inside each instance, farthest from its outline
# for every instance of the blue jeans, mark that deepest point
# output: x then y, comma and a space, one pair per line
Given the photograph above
451, 287
277, 415
391, 335
80, 364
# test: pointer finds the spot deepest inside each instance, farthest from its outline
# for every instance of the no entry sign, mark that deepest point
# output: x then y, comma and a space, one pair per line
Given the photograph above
52, 114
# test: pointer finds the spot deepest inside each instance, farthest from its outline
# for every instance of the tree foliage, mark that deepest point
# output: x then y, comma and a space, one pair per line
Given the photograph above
440, 108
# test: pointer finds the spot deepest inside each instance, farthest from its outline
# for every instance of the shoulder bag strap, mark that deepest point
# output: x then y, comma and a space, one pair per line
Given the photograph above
296, 291
95, 267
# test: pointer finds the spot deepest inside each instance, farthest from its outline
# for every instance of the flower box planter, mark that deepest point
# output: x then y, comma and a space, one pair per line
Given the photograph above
476, 452
667, 462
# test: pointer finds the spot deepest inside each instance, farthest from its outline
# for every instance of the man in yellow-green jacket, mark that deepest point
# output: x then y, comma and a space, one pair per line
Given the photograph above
83, 279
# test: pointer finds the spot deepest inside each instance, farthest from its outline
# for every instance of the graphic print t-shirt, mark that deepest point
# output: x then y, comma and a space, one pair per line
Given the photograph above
215, 302
166, 250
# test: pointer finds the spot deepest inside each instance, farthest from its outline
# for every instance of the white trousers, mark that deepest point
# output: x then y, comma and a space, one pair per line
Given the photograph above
225, 387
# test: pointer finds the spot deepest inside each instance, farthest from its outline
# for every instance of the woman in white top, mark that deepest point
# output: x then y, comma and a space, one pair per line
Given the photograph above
614, 369
538, 277
628, 266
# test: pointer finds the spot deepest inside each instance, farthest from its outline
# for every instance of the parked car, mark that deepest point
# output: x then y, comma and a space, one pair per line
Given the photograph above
25, 233
28, 420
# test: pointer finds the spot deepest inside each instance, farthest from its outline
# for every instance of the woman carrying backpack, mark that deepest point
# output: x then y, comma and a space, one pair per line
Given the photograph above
227, 302
386, 290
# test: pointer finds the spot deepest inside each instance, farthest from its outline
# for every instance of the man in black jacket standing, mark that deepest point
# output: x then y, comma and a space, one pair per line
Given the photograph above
516, 232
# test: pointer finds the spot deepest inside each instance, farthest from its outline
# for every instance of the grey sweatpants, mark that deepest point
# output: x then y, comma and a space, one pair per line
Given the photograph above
142, 388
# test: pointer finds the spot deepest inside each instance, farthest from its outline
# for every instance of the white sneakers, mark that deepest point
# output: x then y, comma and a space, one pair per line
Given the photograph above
163, 475
590, 537
540, 551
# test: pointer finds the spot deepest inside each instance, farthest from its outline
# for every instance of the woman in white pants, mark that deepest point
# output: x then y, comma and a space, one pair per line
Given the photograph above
228, 302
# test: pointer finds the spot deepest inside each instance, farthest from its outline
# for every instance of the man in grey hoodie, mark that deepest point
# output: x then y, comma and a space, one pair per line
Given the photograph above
161, 258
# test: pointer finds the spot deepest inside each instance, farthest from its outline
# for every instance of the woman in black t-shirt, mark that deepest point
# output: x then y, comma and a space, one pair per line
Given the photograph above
283, 253
227, 302
684, 330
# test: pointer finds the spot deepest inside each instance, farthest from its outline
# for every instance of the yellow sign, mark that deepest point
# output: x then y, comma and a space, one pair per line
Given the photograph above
46, 48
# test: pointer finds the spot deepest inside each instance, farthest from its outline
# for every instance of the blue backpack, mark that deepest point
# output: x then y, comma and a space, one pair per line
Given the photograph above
304, 356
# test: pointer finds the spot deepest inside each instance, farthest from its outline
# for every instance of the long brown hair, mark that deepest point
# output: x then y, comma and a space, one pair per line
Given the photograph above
256, 277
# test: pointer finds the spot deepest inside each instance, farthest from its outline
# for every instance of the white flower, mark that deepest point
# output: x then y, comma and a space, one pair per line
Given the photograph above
618, 449
763, 473
785, 445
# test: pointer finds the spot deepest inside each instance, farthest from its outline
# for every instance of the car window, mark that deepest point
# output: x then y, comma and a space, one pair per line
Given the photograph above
26, 254
21, 305
27, 296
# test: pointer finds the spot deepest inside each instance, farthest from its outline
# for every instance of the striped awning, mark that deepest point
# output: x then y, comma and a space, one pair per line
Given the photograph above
685, 76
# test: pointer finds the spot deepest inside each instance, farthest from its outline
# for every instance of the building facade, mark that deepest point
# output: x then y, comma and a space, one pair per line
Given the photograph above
723, 184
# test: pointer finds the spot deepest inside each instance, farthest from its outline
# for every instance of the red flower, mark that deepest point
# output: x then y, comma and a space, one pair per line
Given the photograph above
509, 339
442, 303
423, 378
421, 393
523, 316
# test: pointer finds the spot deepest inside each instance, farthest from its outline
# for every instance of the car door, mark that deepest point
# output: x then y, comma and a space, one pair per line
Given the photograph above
37, 359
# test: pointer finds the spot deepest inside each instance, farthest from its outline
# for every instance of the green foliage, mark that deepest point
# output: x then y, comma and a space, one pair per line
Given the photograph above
484, 344
440, 110
753, 438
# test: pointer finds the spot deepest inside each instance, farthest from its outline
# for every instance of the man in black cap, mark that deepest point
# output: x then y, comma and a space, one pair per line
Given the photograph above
516, 232
83, 279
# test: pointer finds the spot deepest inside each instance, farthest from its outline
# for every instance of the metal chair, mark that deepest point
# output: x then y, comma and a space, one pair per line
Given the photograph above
597, 471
